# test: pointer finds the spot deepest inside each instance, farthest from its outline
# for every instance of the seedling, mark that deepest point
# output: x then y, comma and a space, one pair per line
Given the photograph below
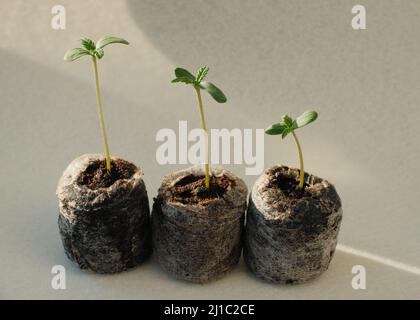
198, 83
288, 125
96, 51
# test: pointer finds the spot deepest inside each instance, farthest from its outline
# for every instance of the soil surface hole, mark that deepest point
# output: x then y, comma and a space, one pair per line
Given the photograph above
96, 176
288, 185
192, 189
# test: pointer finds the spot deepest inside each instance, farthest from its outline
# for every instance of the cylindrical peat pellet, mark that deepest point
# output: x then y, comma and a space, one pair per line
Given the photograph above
291, 236
104, 219
197, 234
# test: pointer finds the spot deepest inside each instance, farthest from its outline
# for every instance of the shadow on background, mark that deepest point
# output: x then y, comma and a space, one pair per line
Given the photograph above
246, 40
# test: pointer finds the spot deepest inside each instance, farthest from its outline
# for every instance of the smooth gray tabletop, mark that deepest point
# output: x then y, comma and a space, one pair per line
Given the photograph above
271, 58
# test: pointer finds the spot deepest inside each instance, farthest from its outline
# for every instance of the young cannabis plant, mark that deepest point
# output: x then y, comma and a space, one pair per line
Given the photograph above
288, 125
96, 51
199, 84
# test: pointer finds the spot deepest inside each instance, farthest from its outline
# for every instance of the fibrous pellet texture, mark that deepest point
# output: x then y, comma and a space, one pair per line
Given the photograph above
104, 229
291, 240
199, 242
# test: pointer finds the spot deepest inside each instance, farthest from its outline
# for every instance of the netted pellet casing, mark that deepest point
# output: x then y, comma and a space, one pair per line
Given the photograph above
291, 241
196, 242
108, 229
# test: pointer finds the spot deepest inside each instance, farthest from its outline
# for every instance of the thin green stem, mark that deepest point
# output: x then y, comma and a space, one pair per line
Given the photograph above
203, 123
302, 169
101, 116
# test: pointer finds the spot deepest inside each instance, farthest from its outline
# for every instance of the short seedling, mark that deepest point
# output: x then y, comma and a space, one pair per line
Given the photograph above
96, 51
198, 83
288, 125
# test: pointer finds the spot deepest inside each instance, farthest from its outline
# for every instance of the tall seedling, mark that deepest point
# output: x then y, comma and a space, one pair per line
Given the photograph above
199, 84
96, 51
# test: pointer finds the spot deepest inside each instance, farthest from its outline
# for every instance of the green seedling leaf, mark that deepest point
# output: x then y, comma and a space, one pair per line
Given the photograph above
104, 41
184, 76
214, 91
287, 121
285, 132
88, 44
286, 124
89, 48
306, 118
201, 73
185, 80
275, 129
75, 53
183, 73
99, 53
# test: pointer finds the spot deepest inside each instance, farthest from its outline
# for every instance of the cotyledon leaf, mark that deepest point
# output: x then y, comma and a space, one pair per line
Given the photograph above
306, 118
214, 91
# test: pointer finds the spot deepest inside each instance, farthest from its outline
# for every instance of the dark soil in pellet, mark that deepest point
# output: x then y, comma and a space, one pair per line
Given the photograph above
96, 176
289, 186
192, 189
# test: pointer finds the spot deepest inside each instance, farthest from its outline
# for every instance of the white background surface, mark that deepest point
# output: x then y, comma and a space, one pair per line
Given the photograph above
270, 58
